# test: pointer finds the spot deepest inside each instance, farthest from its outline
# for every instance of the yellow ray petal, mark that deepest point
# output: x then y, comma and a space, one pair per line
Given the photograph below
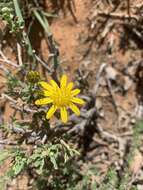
47, 93
75, 92
64, 114
77, 101
69, 86
54, 84
43, 101
63, 81
75, 109
46, 86
51, 111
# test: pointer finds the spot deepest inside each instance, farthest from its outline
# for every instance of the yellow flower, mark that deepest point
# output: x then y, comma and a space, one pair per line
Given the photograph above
60, 97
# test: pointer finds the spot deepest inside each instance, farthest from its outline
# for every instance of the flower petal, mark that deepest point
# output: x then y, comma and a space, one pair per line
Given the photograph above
46, 86
75, 109
54, 84
63, 81
51, 111
47, 93
77, 100
64, 114
75, 92
43, 101
69, 86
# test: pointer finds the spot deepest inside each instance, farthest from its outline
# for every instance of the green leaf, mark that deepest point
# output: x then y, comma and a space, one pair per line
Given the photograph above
53, 160
19, 166
49, 14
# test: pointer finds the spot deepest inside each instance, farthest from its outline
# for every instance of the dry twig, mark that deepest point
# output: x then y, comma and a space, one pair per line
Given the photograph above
5, 60
118, 15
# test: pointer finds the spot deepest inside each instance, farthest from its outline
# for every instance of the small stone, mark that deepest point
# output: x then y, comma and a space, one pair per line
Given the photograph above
98, 104
133, 121
128, 83
102, 114
111, 73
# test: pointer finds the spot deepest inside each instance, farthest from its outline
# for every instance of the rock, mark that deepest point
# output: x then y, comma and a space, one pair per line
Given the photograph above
128, 83
98, 104
111, 73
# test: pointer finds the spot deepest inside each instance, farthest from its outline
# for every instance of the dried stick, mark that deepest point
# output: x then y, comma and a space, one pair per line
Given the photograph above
118, 15
20, 108
112, 95
19, 54
87, 117
7, 142
3, 68
128, 7
113, 138
5, 60
101, 69
5, 96
43, 63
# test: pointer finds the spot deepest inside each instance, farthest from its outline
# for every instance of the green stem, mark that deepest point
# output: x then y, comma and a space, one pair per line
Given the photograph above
24, 34
52, 46
18, 11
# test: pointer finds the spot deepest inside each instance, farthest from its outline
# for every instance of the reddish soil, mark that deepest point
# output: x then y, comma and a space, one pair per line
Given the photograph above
67, 32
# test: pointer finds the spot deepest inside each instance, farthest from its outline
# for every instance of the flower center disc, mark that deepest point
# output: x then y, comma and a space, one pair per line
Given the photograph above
61, 98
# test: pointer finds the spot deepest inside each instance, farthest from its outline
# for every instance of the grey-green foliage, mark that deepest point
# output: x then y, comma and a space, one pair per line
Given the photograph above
14, 23
13, 84
125, 179
6, 3
19, 163
4, 178
52, 154
87, 182
134, 188
136, 143
44, 157
43, 154
24, 90
137, 134
110, 181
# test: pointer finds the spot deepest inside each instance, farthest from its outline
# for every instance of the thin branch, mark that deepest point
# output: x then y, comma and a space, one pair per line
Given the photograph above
5, 60
43, 63
7, 142
118, 15
19, 54
128, 8
98, 78
5, 96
